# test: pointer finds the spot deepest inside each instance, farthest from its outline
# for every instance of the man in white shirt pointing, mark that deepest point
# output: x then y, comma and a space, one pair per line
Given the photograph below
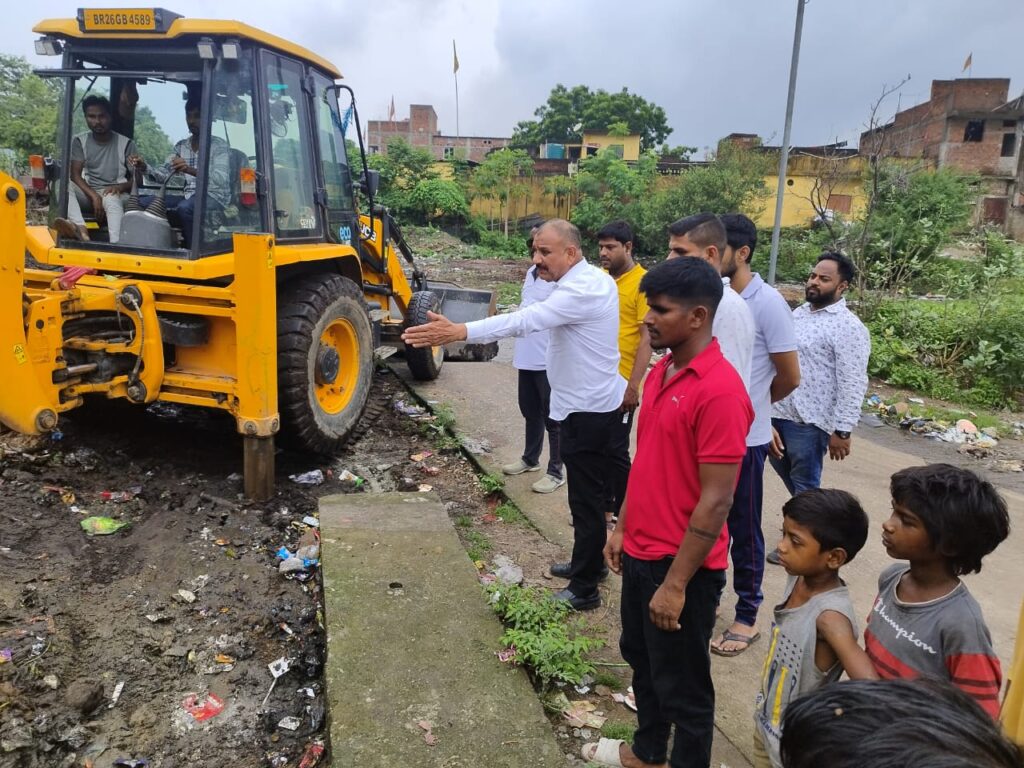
582, 314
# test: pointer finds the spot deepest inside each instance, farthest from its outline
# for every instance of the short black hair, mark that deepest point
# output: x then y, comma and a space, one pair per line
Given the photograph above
835, 518
690, 281
921, 723
193, 102
843, 264
616, 230
739, 231
704, 229
965, 516
97, 101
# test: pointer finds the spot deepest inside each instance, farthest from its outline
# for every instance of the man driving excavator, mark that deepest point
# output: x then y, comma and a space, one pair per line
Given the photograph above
185, 160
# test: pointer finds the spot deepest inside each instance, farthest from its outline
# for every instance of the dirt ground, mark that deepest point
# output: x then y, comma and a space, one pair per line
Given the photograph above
187, 598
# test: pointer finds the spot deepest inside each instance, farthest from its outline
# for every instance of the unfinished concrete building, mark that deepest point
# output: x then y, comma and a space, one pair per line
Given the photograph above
420, 130
971, 125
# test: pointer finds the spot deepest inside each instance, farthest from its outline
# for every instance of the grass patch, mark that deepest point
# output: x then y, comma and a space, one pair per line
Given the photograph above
477, 545
547, 638
510, 513
491, 483
607, 679
509, 293
622, 731
464, 521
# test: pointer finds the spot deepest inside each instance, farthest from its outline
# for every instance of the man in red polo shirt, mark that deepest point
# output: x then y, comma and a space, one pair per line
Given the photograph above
670, 543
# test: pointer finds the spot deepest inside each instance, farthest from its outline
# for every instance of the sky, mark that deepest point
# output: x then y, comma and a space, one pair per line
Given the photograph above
715, 66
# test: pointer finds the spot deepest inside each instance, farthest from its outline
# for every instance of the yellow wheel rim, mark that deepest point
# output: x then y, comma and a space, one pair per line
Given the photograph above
334, 392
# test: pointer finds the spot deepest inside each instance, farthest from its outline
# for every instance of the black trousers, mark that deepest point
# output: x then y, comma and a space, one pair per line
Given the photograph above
587, 442
620, 462
534, 400
671, 670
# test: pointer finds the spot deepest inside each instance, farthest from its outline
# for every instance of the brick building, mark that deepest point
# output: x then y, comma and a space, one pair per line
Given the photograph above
420, 130
970, 125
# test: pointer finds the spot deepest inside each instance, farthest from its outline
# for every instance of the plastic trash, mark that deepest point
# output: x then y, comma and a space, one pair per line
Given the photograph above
313, 477
311, 521
128, 762
116, 695
290, 723
967, 427
6, 655
291, 565
347, 476
311, 757
101, 526
186, 596
119, 497
203, 708
506, 571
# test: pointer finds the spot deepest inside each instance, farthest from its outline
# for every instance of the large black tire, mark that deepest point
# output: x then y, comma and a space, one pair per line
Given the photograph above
424, 363
325, 361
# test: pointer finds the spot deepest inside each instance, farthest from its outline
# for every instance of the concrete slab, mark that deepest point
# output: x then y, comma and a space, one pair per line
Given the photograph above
483, 399
410, 639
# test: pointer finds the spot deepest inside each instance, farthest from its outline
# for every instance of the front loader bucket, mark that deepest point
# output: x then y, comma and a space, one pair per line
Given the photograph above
463, 305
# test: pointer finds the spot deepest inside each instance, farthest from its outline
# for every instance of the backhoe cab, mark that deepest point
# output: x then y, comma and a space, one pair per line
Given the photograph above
242, 278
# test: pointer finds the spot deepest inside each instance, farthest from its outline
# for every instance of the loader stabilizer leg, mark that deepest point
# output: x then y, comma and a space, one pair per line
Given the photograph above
24, 405
255, 294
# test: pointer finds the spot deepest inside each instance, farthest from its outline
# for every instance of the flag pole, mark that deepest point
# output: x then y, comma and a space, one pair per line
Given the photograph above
455, 72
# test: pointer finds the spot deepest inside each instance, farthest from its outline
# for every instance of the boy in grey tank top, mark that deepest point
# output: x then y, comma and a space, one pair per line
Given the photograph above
814, 633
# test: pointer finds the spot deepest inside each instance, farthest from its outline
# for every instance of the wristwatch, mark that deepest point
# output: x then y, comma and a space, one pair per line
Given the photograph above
841, 434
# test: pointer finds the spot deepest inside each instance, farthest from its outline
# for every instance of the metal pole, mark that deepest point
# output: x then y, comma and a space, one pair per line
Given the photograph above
784, 154
457, 133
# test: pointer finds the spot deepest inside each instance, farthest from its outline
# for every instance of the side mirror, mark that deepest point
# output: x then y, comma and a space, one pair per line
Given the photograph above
369, 182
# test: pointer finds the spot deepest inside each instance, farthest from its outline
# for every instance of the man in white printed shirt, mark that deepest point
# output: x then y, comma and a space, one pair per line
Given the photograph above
833, 346
703, 235
582, 314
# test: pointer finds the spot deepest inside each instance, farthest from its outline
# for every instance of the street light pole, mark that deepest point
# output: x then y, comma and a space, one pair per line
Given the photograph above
784, 154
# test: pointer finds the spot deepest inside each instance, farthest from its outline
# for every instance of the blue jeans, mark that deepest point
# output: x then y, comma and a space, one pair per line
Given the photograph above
671, 670
746, 535
805, 447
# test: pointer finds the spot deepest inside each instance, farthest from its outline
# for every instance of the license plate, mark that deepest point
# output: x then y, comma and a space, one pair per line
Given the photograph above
119, 20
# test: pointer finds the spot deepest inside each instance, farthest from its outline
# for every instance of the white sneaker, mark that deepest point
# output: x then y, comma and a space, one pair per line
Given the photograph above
548, 484
519, 468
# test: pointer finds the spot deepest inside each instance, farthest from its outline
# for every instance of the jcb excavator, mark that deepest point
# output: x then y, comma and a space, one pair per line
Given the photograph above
276, 305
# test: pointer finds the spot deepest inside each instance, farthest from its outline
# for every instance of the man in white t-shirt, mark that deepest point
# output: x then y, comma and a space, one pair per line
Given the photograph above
534, 393
703, 236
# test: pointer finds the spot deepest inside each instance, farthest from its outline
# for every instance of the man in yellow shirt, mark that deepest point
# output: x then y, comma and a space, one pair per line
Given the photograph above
616, 242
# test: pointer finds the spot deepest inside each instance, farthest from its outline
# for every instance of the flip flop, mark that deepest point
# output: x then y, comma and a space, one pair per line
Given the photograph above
736, 638
604, 752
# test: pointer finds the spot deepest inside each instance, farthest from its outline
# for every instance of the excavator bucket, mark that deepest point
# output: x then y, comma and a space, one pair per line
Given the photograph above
463, 305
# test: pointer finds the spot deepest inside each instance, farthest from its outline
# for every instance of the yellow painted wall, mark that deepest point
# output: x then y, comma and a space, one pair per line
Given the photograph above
630, 144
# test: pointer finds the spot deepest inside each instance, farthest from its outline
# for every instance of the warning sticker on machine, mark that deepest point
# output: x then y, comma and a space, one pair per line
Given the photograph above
19, 354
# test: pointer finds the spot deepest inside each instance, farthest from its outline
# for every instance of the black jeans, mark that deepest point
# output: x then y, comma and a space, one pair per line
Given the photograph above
534, 399
671, 670
620, 463
587, 442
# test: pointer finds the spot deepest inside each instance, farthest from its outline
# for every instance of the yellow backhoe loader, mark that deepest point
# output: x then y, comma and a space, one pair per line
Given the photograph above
243, 278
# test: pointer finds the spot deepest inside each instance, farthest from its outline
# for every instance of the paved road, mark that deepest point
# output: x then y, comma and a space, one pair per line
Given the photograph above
483, 397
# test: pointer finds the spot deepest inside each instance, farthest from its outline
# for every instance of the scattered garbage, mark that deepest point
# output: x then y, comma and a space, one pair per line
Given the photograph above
311, 521
428, 735
203, 708
506, 655
127, 762
119, 497
51, 682
583, 714
349, 477
506, 571
277, 668
874, 401
967, 427
871, 420
915, 400
6, 655
424, 488
313, 477
421, 456
290, 723
116, 695
66, 496
102, 526
408, 409
311, 757
628, 699
186, 596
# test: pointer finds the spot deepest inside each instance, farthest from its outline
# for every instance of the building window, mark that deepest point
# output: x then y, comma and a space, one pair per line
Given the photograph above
1009, 123
486, 142
1009, 145
975, 130
374, 149
449, 153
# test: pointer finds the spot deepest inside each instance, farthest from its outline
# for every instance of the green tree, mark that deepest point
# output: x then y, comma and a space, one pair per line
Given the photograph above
401, 169
437, 198
30, 106
570, 111
732, 181
150, 140
501, 176
610, 188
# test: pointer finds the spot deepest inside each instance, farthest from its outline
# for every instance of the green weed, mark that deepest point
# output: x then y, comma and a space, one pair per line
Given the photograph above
464, 521
491, 483
510, 513
607, 679
477, 545
623, 731
547, 638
